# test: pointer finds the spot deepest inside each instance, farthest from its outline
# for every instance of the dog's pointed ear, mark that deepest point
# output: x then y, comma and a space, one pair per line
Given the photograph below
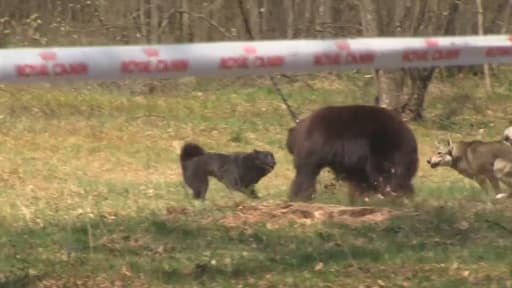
450, 142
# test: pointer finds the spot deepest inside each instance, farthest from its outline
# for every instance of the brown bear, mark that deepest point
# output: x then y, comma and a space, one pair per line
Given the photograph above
368, 147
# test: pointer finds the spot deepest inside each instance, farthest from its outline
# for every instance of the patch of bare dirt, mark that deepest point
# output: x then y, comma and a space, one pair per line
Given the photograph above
276, 215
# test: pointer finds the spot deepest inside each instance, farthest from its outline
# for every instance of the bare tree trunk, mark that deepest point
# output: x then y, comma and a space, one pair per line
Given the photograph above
185, 25
290, 17
308, 11
506, 18
388, 96
142, 18
404, 91
419, 80
154, 33
253, 14
324, 18
504, 28
214, 14
487, 76
388, 89
262, 12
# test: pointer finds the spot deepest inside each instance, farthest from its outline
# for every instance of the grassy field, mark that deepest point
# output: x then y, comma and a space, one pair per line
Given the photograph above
91, 192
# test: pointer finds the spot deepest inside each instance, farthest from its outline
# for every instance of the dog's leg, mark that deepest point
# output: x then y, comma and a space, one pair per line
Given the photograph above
503, 171
495, 185
234, 184
482, 182
499, 193
508, 184
198, 183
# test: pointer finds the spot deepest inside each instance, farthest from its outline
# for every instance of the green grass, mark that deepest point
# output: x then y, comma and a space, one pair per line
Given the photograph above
91, 193
429, 245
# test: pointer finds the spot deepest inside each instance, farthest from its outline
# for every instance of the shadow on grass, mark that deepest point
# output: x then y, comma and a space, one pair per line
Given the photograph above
184, 249
19, 281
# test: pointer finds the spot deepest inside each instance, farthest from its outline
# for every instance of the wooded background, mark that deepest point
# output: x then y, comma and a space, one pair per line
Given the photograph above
108, 22
88, 22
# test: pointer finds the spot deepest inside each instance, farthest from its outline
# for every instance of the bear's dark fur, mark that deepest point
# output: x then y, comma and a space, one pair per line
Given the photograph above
368, 147
238, 171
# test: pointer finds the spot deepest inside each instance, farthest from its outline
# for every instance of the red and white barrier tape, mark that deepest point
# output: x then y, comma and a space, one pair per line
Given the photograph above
247, 58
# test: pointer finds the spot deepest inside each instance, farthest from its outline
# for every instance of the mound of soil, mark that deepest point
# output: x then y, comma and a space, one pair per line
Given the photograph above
275, 215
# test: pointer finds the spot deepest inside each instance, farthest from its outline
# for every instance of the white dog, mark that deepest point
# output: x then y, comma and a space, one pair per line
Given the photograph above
507, 136
502, 168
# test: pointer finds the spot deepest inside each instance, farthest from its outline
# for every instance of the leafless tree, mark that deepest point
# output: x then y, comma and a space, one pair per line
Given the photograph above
404, 90
100, 22
487, 75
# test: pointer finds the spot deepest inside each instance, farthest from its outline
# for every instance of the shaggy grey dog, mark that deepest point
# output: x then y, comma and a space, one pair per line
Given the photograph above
239, 171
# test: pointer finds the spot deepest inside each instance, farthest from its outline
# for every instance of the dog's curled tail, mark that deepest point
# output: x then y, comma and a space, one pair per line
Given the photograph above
189, 151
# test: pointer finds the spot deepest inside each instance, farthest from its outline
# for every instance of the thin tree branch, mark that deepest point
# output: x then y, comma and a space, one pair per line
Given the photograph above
210, 21
278, 90
505, 228
245, 18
